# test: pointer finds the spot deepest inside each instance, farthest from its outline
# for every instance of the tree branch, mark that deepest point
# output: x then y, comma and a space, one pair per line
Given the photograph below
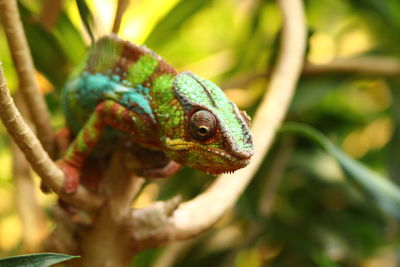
18, 44
121, 8
99, 243
189, 218
275, 176
195, 216
30, 214
377, 66
40, 161
368, 66
50, 11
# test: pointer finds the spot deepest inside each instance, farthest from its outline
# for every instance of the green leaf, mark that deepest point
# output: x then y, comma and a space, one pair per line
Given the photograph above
322, 260
48, 55
86, 16
70, 39
383, 18
167, 27
394, 144
383, 192
35, 260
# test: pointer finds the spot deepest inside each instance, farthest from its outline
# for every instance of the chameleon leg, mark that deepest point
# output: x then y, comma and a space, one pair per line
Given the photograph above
170, 168
63, 139
107, 113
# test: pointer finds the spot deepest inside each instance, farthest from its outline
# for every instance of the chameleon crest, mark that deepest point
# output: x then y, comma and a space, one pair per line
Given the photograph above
124, 91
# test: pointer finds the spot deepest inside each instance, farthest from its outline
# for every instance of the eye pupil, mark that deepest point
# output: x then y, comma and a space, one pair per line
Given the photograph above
202, 125
203, 130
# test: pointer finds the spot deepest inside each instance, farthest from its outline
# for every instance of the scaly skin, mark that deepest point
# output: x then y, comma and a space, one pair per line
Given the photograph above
134, 92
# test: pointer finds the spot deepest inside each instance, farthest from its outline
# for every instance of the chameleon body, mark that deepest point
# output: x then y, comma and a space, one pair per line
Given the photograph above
128, 91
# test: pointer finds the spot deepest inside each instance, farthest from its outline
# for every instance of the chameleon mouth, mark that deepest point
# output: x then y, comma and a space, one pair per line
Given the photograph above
179, 144
237, 160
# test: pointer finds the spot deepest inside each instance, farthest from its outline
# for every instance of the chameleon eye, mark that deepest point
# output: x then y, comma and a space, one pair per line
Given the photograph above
202, 125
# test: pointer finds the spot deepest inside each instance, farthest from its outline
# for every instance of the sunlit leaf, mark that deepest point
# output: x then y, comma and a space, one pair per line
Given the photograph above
166, 28
48, 56
384, 193
35, 260
383, 18
69, 38
86, 16
387, 10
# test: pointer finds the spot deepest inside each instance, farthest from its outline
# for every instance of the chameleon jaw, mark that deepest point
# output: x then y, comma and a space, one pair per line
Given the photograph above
178, 144
231, 163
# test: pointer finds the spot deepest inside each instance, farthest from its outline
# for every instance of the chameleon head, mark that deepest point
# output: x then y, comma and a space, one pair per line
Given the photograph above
216, 136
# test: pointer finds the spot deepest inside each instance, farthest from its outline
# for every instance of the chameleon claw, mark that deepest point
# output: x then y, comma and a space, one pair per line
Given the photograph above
71, 174
169, 169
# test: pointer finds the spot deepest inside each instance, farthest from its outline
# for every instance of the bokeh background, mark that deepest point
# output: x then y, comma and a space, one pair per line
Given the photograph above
303, 208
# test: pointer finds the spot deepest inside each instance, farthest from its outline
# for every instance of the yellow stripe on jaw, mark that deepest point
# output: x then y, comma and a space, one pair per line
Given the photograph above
178, 144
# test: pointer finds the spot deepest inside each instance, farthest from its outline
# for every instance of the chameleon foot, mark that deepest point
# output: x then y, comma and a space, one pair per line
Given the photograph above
71, 174
169, 169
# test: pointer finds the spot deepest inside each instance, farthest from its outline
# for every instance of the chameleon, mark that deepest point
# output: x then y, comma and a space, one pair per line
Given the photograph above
122, 90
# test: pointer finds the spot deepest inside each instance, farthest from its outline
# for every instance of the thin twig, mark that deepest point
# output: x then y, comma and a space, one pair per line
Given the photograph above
50, 11
194, 216
26, 72
40, 161
376, 66
366, 66
275, 176
121, 8
30, 214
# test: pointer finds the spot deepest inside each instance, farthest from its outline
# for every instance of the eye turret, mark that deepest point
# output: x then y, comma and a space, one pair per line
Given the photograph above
202, 125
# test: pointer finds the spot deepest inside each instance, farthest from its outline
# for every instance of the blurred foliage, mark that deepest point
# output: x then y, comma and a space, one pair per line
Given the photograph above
35, 260
318, 215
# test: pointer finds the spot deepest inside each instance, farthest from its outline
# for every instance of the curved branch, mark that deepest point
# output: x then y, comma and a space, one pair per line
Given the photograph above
40, 161
26, 73
196, 215
377, 66
190, 218
31, 216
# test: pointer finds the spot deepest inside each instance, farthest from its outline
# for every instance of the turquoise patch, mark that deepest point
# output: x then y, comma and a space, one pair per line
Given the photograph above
93, 88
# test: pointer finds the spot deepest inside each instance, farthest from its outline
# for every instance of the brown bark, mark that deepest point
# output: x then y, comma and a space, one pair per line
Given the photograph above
117, 232
373, 66
366, 66
197, 215
106, 243
121, 8
32, 217
19, 48
40, 161
50, 11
